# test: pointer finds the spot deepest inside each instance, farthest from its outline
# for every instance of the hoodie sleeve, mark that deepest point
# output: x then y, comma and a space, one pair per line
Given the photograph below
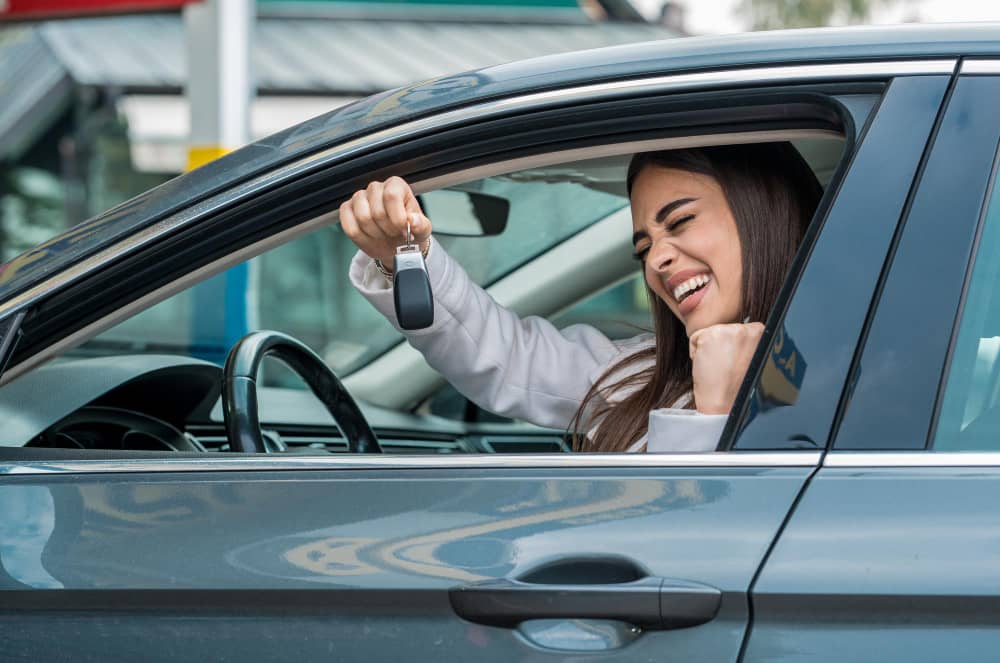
522, 368
674, 430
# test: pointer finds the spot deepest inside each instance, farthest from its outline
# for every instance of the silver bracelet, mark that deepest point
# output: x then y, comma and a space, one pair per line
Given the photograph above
387, 273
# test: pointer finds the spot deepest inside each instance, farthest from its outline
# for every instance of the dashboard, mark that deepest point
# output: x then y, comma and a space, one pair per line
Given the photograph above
168, 403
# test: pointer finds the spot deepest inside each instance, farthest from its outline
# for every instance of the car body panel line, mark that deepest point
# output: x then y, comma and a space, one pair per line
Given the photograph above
767, 554
497, 461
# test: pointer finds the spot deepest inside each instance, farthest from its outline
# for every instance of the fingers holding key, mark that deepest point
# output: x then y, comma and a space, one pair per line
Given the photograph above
374, 196
376, 218
402, 207
399, 202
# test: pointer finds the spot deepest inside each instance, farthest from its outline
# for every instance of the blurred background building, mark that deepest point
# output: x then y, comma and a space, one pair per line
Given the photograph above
726, 16
93, 110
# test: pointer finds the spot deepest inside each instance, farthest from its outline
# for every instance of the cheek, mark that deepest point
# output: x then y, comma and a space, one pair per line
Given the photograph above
721, 252
654, 283
649, 276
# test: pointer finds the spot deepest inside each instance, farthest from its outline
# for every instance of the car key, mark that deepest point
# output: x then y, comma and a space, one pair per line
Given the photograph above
411, 287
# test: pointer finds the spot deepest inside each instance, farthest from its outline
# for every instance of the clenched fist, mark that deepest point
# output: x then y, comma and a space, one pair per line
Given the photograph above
375, 218
720, 355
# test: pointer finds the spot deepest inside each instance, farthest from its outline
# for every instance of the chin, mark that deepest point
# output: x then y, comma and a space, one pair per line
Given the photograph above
693, 326
701, 322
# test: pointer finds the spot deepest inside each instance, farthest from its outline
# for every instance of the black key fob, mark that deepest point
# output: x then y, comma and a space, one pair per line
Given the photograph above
411, 289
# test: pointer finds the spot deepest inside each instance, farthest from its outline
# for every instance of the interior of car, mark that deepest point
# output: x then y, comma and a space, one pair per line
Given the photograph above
151, 380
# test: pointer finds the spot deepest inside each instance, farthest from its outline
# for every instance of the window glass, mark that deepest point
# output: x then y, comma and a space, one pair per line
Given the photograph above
621, 311
970, 408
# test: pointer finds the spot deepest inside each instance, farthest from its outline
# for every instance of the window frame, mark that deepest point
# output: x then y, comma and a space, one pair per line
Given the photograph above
953, 184
824, 304
308, 214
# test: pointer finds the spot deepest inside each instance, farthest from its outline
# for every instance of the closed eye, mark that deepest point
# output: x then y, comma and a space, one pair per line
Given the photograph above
640, 254
674, 225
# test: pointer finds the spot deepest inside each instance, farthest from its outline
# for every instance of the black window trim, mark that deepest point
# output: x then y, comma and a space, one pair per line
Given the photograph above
923, 418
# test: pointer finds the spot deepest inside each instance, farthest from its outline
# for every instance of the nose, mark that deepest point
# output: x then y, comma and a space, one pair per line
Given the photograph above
662, 255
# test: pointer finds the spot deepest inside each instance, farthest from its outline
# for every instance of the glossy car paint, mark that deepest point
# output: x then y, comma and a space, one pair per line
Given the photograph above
884, 564
354, 565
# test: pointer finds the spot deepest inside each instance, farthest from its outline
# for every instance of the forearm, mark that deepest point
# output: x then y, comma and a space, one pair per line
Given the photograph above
521, 368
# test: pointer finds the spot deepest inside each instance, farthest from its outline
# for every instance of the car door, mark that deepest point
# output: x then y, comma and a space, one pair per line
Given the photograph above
892, 553
463, 557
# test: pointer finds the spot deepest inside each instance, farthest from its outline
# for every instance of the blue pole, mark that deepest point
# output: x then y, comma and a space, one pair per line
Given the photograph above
220, 314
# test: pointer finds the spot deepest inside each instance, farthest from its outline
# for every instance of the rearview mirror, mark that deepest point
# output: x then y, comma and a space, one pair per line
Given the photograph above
465, 213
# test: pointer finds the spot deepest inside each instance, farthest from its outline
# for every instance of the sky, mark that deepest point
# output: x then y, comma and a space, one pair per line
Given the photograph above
721, 16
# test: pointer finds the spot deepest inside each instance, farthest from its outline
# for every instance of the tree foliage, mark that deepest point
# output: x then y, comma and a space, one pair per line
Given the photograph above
775, 14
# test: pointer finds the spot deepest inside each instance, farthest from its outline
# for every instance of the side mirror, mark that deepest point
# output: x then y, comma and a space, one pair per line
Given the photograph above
465, 213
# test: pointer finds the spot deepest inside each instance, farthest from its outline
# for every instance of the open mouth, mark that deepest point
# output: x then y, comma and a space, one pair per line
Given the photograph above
691, 286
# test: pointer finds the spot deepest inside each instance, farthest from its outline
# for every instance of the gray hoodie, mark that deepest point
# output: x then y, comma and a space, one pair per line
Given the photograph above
524, 368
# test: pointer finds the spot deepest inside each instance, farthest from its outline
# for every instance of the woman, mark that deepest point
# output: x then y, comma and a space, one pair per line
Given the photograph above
715, 230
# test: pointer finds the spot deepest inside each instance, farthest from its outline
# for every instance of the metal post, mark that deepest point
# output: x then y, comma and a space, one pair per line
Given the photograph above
220, 80
220, 91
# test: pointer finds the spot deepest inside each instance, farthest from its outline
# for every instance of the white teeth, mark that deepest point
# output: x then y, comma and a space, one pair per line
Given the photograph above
689, 285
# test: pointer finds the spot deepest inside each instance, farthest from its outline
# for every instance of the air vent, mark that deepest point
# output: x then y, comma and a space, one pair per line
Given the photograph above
214, 439
525, 445
419, 447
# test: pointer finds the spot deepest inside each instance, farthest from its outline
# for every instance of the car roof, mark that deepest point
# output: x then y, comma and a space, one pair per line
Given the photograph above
434, 96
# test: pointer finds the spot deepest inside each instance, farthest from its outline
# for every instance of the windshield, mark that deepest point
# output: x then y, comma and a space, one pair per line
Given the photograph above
302, 287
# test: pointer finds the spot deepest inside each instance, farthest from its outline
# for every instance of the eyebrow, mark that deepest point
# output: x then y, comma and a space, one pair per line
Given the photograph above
662, 215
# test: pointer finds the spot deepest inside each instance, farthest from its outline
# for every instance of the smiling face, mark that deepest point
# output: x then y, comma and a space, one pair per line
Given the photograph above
686, 236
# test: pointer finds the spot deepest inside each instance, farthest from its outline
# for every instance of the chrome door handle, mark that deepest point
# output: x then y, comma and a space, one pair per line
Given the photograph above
650, 602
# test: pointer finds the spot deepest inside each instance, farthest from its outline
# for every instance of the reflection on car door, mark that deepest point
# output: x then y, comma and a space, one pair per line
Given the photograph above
373, 563
892, 551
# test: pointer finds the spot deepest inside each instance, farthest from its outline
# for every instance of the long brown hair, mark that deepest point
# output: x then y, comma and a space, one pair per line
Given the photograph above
772, 194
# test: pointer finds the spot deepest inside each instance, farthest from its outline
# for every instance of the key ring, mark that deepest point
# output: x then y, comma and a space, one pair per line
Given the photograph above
409, 233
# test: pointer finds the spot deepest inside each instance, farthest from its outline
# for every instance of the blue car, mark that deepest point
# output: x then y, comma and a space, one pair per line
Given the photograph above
161, 502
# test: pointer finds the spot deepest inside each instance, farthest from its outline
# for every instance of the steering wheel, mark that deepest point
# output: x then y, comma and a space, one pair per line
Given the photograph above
239, 392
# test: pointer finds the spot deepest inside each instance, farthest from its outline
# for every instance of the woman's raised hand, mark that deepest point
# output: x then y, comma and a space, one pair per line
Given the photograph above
720, 355
375, 218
